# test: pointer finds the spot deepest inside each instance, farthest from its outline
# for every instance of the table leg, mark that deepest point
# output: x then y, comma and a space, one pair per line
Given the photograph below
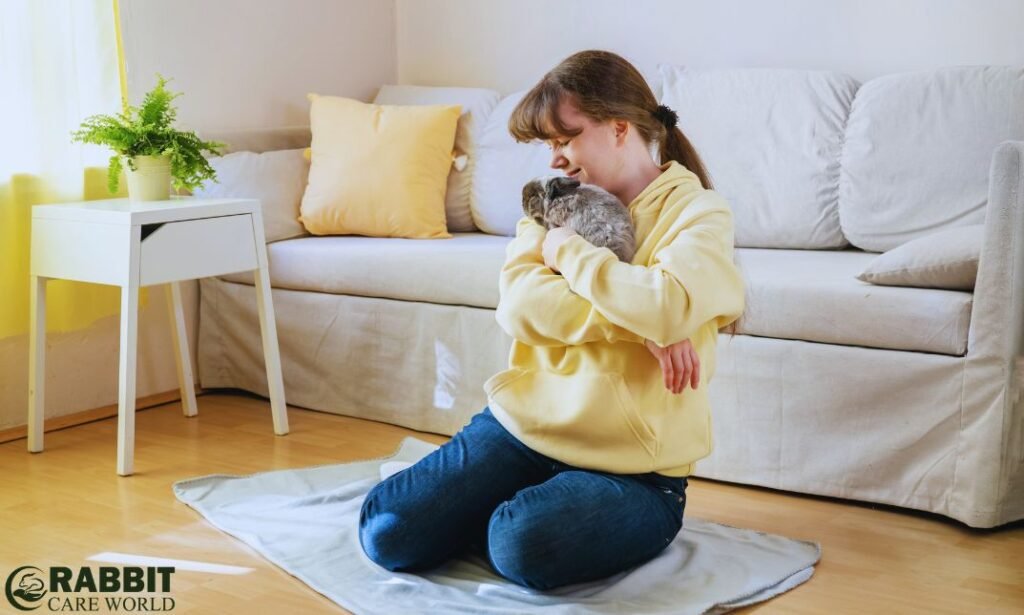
36, 363
182, 360
271, 354
126, 384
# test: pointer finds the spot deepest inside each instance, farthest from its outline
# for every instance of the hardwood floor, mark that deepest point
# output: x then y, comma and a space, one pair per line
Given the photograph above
67, 504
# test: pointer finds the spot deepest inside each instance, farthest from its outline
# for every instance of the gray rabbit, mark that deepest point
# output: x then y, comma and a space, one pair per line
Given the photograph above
594, 213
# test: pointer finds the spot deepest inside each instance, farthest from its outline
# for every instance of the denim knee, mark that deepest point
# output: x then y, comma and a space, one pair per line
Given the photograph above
511, 548
382, 536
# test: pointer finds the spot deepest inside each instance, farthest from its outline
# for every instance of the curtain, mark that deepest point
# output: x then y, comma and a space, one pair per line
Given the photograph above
59, 63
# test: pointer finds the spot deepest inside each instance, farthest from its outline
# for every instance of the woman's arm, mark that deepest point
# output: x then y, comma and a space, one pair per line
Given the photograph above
538, 307
693, 279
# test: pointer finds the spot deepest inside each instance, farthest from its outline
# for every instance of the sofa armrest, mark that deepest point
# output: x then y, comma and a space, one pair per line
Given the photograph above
990, 447
260, 139
997, 317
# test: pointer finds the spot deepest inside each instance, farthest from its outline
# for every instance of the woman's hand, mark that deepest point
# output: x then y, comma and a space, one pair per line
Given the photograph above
554, 238
679, 364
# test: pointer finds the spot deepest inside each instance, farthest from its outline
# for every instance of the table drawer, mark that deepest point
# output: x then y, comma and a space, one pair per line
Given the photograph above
196, 249
83, 251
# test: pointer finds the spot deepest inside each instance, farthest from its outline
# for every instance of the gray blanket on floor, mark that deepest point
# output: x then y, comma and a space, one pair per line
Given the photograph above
306, 522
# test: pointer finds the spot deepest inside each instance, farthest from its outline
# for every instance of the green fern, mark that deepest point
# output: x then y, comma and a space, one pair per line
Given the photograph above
148, 131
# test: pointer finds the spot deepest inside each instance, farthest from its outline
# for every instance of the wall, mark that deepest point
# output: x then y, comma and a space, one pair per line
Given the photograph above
239, 65
507, 46
81, 366
244, 65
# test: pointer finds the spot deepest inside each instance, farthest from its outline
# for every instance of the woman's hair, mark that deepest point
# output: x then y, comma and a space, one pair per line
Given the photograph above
604, 86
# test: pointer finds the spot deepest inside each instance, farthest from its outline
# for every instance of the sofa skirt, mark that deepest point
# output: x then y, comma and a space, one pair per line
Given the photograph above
850, 422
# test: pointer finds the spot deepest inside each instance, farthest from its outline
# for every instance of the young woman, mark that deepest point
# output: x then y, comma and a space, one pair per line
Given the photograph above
577, 468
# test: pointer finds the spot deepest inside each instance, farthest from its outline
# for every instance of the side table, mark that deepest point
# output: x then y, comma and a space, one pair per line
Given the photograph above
134, 244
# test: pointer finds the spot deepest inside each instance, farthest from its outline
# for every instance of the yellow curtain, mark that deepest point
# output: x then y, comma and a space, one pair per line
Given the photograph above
59, 63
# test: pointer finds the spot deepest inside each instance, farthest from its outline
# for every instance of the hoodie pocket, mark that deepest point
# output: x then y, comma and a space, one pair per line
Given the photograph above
587, 419
640, 428
501, 380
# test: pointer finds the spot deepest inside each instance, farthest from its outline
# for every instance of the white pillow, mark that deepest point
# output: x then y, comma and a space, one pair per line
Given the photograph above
771, 140
919, 148
477, 104
277, 178
947, 259
503, 167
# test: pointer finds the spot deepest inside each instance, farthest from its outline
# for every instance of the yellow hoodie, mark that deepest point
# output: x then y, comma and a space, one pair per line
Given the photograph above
581, 387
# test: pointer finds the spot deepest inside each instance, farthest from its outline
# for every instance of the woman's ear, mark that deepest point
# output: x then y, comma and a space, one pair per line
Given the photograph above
620, 128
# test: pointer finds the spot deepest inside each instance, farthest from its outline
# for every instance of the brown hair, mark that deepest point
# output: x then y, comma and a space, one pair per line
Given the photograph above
603, 86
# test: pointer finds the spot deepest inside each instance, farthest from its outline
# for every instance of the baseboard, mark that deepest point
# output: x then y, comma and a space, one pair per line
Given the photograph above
87, 416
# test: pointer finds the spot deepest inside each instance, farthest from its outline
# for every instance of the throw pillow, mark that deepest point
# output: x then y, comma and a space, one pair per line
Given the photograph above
476, 104
378, 170
947, 259
276, 178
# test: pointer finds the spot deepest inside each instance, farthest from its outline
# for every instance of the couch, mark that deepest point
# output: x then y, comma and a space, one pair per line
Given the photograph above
833, 386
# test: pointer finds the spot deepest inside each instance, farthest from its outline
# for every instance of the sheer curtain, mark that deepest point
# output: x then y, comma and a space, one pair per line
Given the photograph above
59, 63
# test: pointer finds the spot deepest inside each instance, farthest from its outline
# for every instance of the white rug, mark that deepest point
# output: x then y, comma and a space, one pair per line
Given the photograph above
306, 521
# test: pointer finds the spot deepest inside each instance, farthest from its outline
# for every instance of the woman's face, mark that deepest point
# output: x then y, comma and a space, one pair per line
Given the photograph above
593, 156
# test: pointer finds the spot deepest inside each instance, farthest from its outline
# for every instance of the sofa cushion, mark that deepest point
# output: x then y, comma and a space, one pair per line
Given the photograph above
791, 294
276, 178
947, 259
503, 167
477, 104
771, 140
816, 296
918, 150
462, 270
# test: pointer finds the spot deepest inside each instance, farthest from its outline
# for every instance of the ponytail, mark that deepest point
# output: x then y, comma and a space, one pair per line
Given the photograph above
675, 146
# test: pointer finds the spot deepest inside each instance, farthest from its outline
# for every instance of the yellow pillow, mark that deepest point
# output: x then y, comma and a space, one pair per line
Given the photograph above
378, 170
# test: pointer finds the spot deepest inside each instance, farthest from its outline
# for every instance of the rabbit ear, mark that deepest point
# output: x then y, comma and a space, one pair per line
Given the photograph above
533, 206
560, 186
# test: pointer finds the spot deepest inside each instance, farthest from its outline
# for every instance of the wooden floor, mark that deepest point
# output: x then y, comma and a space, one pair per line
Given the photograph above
67, 504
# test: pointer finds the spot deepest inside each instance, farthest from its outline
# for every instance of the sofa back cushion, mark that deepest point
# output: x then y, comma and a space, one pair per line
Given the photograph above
771, 140
277, 178
477, 104
503, 167
918, 149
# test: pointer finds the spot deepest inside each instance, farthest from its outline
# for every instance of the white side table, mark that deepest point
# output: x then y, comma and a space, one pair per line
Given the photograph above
135, 244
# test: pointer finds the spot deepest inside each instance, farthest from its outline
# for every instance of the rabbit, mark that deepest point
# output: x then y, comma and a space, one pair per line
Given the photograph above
594, 213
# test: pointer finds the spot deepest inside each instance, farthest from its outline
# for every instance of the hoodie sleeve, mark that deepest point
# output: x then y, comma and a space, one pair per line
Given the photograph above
536, 305
691, 281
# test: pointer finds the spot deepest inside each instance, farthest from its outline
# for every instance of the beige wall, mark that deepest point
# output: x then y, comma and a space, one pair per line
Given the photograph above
81, 366
240, 65
508, 45
246, 64
249, 64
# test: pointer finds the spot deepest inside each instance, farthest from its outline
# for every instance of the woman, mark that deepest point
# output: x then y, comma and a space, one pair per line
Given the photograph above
577, 468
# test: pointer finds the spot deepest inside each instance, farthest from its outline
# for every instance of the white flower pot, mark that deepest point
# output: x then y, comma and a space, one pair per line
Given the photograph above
152, 179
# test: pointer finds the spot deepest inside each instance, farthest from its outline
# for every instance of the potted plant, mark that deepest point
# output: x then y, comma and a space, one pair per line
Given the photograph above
148, 148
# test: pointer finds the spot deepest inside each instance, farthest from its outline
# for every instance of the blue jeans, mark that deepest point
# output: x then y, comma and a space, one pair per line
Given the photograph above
539, 522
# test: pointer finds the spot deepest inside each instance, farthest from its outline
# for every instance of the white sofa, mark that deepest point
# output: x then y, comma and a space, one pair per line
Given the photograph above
833, 386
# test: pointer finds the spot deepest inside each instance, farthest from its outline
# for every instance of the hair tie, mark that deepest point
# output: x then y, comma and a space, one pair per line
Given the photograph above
666, 116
